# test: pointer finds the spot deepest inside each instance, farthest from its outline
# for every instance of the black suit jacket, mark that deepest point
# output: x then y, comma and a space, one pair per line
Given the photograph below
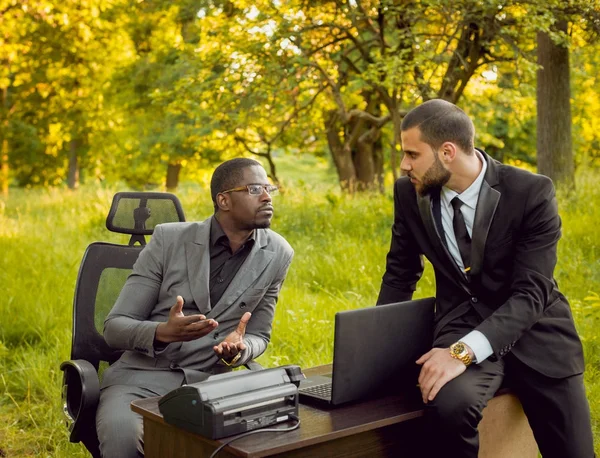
511, 291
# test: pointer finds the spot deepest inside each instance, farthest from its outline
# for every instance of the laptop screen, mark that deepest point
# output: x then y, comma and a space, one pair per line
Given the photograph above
375, 348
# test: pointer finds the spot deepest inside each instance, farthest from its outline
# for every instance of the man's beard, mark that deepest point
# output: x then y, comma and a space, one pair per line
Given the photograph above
258, 223
250, 226
433, 179
262, 225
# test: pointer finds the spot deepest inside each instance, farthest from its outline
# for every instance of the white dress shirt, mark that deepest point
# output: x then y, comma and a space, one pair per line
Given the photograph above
475, 340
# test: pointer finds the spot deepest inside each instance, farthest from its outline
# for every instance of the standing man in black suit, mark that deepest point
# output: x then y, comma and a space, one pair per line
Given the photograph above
490, 231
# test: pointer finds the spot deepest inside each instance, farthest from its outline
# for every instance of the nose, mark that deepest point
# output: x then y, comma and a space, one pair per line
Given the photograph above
265, 196
405, 164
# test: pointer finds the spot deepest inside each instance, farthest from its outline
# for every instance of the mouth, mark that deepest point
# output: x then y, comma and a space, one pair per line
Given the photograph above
268, 210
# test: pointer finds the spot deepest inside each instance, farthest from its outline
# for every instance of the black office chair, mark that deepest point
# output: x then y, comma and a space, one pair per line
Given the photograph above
102, 274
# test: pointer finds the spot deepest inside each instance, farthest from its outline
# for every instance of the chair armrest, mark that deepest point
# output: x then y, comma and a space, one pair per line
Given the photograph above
80, 394
253, 365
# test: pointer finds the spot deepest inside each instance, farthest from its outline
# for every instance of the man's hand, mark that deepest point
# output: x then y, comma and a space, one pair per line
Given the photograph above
181, 328
438, 369
234, 342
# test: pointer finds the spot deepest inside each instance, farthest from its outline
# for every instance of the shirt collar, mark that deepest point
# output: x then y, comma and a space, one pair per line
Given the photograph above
218, 236
470, 195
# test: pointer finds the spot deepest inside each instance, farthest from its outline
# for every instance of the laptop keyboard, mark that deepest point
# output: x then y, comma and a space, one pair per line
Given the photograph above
322, 391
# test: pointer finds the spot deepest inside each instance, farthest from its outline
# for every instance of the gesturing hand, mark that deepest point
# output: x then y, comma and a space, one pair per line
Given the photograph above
438, 369
181, 328
234, 342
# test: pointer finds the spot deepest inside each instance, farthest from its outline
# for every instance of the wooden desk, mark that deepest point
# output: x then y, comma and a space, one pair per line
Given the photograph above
374, 428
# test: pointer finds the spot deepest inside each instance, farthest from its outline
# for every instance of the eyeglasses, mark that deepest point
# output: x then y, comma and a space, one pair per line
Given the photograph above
255, 189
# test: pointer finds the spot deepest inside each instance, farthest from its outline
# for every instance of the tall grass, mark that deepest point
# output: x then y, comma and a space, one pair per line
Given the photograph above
340, 244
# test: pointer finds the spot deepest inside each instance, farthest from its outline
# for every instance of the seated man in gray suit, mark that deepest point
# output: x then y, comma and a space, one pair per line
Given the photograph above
200, 300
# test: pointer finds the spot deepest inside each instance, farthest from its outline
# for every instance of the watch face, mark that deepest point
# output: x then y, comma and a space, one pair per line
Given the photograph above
459, 351
458, 348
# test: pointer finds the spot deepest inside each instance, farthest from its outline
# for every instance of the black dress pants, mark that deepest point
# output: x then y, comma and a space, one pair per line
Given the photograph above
557, 410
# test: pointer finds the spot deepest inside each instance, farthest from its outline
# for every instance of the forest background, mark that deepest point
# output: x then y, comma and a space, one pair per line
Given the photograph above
98, 96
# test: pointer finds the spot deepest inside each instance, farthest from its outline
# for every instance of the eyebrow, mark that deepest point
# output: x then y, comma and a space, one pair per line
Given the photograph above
408, 151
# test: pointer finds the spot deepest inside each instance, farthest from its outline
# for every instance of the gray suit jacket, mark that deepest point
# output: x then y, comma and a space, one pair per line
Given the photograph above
175, 262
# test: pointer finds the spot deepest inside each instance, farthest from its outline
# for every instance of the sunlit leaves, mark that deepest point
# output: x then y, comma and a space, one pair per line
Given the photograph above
144, 84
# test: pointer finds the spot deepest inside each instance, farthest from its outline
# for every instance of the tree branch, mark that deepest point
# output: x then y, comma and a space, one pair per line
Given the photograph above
369, 117
334, 88
368, 20
316, 50
245, 145
295, 113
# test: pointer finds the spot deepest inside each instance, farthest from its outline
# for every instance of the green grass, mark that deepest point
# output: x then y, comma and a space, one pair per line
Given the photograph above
340, 242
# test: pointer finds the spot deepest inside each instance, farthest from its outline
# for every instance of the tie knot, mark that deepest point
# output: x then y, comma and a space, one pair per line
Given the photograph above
456, 203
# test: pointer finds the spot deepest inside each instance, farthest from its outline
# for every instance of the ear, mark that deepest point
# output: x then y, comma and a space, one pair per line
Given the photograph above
448, 151
223, 202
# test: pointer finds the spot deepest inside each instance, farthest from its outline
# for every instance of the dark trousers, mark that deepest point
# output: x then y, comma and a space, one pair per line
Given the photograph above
557, 410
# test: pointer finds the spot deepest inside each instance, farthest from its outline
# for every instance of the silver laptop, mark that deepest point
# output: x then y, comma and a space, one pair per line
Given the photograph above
374, 350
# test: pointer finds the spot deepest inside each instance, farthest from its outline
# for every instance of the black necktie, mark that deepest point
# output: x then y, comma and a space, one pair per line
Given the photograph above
460, 232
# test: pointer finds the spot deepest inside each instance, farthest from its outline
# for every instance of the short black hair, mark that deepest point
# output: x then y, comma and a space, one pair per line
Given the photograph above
229, 175
440, 121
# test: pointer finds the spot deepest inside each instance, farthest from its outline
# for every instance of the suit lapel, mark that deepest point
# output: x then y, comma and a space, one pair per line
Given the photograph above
436, 209
484, 214
448, 265
257, 261
197, 256
425, 209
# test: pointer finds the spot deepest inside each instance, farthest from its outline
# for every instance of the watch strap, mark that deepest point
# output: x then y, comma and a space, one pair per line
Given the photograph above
463, 355
235, 359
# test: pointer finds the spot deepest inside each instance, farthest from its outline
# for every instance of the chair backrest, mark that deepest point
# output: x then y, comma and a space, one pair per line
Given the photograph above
105, 267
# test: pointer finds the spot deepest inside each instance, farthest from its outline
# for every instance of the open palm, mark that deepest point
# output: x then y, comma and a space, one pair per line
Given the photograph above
234, 342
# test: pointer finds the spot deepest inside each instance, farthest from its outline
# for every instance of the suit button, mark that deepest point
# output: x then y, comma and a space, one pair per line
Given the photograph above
474, 300
173, 366
243, 305
216, 335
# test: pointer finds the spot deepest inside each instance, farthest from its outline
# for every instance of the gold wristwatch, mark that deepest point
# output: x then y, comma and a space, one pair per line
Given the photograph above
458, 350
235, 359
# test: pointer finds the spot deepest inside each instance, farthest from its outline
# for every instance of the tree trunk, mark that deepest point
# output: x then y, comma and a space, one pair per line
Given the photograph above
366, 149
4, 167
364, 165
356, 147
4, 151
362, 154
173, 176
378, 161
341, 153
554, 143
73, 176
396, 142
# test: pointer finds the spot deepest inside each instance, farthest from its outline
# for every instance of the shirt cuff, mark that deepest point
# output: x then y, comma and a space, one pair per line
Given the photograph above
479, 344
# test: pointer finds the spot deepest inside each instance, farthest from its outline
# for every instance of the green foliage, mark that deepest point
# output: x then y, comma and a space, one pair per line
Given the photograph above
340, 243
55, 60
29, 157
507, 128
585, 81
129, 88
